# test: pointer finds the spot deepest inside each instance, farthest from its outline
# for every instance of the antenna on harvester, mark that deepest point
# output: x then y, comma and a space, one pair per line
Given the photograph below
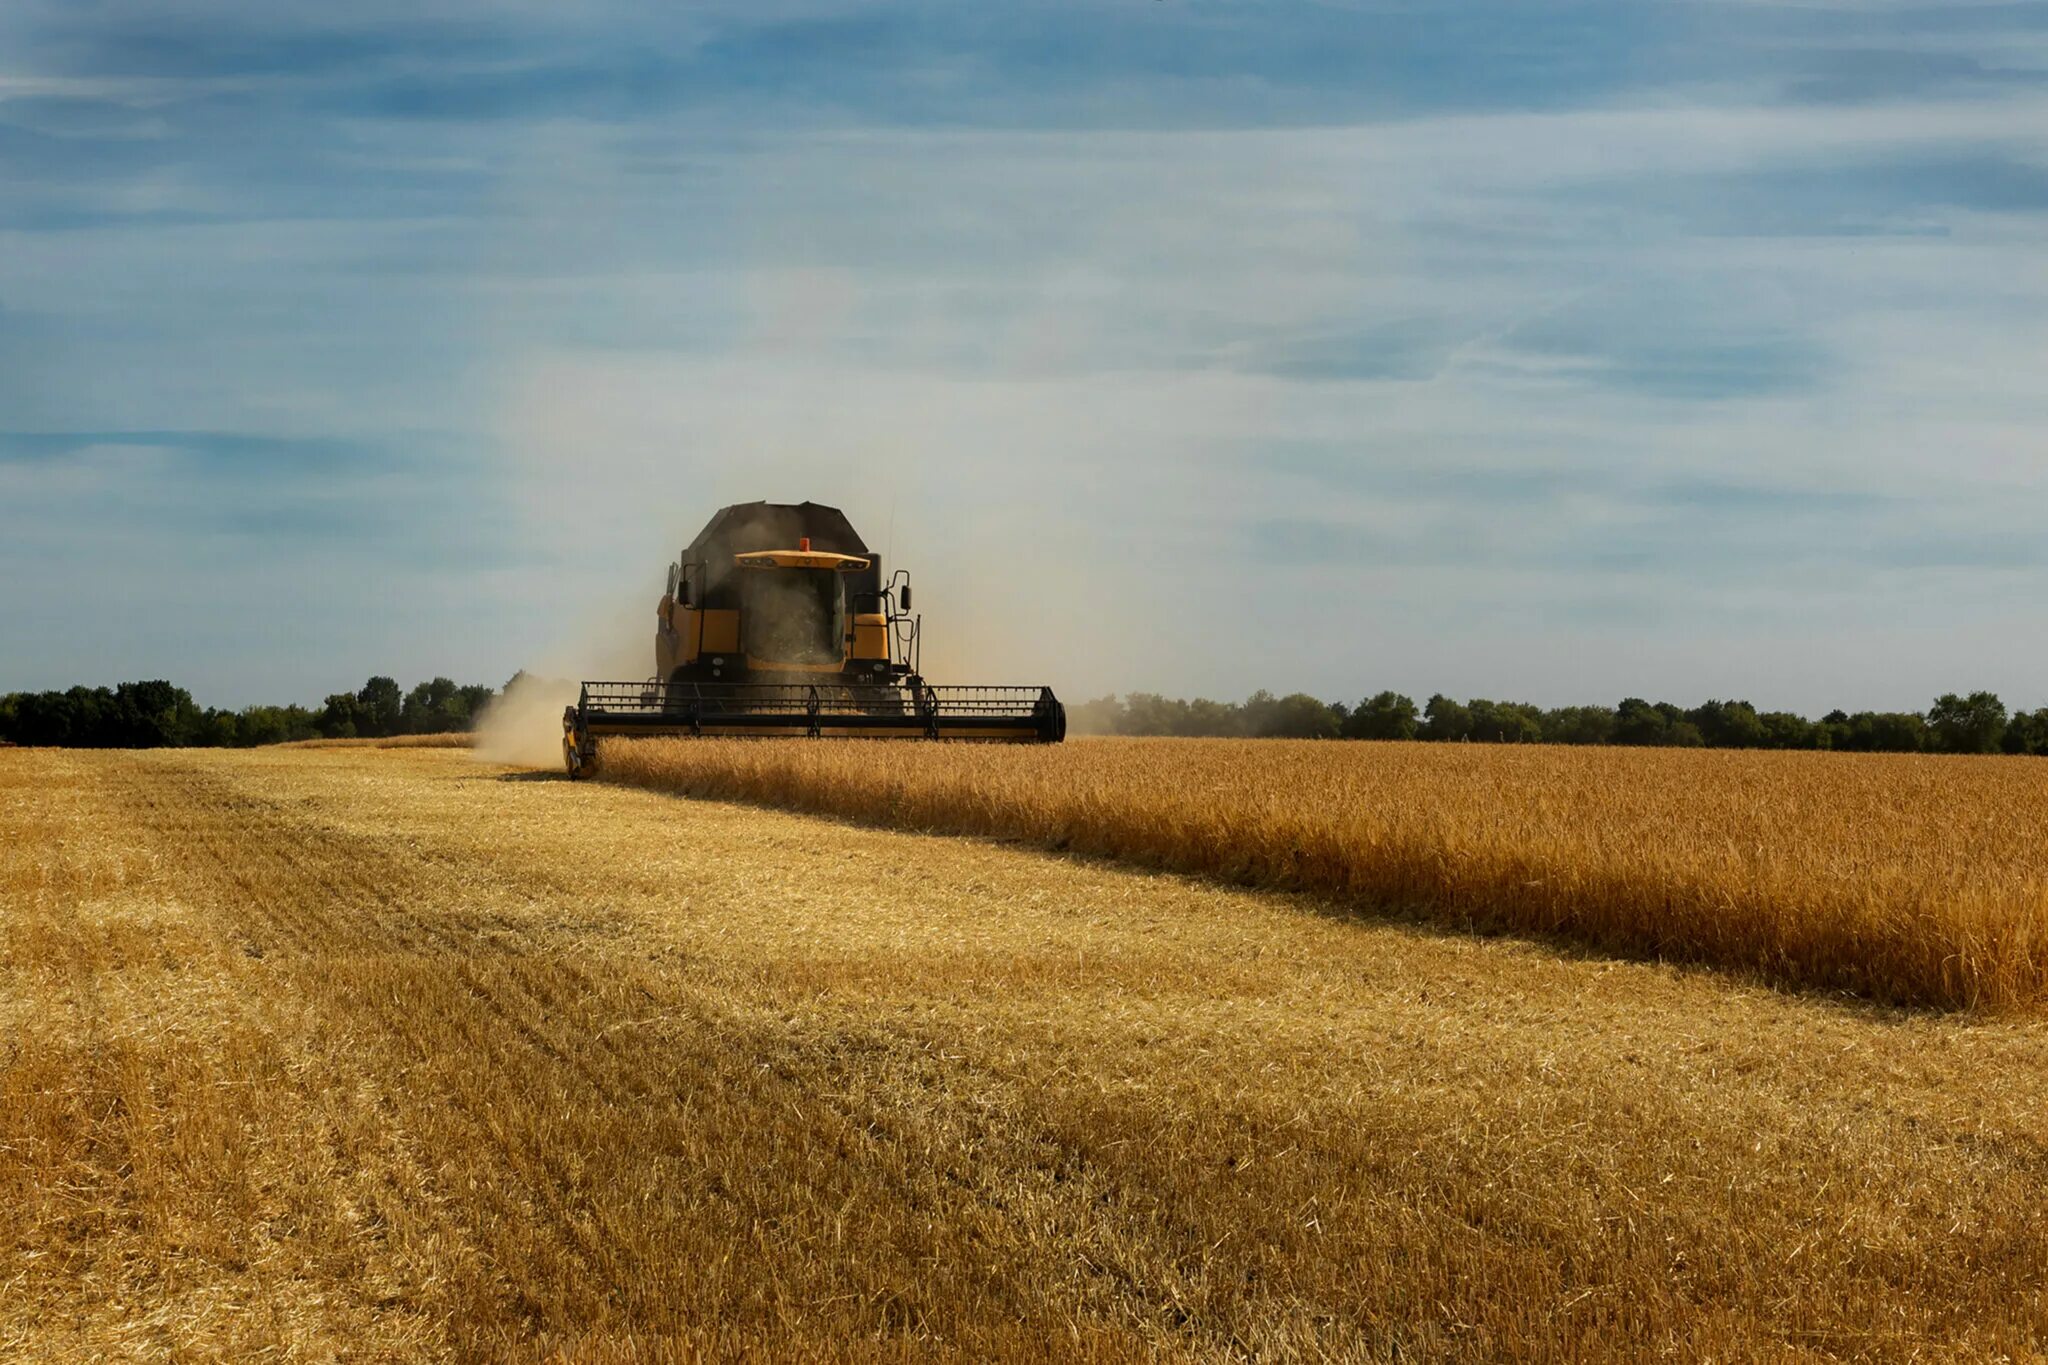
889, 537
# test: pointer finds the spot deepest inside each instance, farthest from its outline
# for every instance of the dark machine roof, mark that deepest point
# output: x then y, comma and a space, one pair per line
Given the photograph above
748, 526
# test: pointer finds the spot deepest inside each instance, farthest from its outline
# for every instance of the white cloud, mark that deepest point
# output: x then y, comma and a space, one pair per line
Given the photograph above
1030, 348
1065, 365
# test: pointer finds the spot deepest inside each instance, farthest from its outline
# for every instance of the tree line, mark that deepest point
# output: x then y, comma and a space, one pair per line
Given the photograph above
154, 714
157, 714
1976, 723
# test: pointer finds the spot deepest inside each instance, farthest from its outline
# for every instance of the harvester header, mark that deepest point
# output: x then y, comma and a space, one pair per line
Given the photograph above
777, 621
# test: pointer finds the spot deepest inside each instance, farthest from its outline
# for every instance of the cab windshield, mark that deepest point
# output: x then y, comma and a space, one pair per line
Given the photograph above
794, 616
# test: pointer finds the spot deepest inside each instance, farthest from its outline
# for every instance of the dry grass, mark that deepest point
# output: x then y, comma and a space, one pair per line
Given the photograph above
1904, 878
456, 739
365, 1055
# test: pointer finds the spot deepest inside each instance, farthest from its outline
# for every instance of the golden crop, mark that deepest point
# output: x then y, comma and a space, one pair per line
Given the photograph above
451, 740
1905, 878
367, 1055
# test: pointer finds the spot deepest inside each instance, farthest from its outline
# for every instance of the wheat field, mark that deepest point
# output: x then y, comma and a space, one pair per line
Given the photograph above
362, 1054
1905, 878
448, 740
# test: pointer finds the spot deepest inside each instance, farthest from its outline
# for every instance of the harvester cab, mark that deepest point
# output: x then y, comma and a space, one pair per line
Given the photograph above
777, 621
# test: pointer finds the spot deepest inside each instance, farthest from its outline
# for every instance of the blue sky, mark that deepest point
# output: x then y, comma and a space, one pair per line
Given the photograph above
1552, 351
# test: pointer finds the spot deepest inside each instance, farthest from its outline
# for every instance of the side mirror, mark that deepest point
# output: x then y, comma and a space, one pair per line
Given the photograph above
906, 597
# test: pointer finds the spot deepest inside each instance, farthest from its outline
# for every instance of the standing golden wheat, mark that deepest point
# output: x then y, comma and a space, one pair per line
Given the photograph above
1905, 878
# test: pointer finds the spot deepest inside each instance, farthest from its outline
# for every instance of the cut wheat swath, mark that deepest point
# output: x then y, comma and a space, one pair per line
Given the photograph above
1902, 878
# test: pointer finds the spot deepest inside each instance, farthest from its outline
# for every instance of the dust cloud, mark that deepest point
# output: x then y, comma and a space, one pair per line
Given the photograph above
524, 724
1011, 518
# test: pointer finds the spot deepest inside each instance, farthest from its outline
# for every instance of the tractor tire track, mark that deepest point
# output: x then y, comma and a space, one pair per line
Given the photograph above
331, 896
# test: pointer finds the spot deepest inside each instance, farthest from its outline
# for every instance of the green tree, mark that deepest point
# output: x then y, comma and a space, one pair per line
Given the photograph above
1897, 732
1579, 725
154, 712
266, 725
431, 708
1385, 715
2027, 732
1445, 719
1967, 725
1147, 713
380, 708
341, 717
1300, 716
1728, 724
45, 718
1638, 722
1212, 718
1783, 730
91, 711
279, 724
151, 715
218, 729
1683, 735
1504, 722
472, 699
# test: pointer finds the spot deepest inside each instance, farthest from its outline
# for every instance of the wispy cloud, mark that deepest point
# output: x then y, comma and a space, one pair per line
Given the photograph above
1392, 334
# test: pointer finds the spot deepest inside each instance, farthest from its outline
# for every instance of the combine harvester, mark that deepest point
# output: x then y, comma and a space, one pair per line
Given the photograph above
777, 622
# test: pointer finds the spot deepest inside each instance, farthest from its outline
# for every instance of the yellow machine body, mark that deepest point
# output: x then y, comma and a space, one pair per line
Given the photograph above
687, 635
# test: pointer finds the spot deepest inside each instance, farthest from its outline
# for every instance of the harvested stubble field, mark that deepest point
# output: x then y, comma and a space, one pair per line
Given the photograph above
1904, 878
365, 1054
